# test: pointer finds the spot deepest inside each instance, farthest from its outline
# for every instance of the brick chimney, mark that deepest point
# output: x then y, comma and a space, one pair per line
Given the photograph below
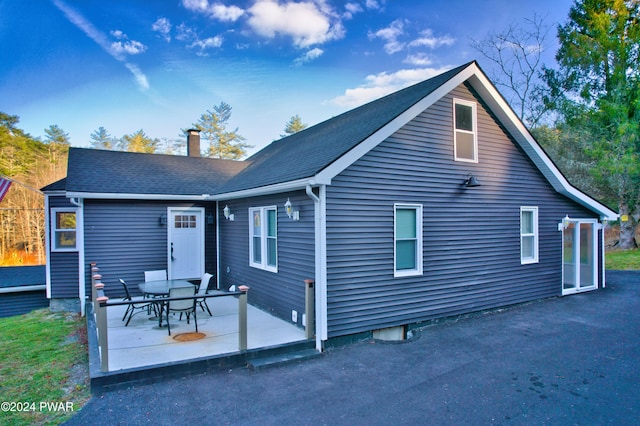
193, 143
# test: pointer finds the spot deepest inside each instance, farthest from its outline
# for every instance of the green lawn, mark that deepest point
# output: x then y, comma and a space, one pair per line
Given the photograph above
628, 260
43, 367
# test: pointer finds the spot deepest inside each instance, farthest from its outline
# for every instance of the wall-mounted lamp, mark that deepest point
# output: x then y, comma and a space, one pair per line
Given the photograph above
210, 220
227, 213
471, 181
163, 219
288, 208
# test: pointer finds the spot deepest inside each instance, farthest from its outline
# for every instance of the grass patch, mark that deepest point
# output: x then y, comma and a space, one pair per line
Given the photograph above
623, 260
43, 359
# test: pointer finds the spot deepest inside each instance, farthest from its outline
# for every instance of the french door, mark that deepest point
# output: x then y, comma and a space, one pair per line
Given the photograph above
579, 255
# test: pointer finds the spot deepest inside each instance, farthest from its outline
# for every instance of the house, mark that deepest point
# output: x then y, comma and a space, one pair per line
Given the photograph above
429, 202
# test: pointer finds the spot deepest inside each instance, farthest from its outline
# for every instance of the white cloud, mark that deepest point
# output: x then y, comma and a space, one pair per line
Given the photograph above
163, 27
351, 9
427, 39
103, 41
118, 34
418, 59
185, 33
226, 14
214, 10
205, 44
305, 22
378, 85
129, 47
309, 56
140, 77
373, 4
390, 35
192, 40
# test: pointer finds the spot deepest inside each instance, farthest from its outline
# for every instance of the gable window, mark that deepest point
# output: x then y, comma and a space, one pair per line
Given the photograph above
528, 235
465, 140
263, 241
407, 240
63, 230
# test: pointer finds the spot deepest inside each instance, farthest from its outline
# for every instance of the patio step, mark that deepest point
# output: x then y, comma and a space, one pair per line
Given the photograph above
284, 358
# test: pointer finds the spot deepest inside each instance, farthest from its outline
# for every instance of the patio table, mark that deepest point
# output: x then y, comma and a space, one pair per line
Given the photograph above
160, 288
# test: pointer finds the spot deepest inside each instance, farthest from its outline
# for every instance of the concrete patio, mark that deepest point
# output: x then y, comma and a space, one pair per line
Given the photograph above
142, 343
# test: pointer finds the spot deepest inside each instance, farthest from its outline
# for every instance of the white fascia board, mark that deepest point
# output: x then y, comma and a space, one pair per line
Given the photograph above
514, 125
394, 125
293, 185
112, 196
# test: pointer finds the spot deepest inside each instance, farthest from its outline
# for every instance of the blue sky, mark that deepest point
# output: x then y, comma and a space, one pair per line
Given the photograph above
158, 65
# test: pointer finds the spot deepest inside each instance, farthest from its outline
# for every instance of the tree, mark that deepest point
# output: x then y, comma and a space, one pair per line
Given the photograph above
57, 143
222, 143
101, 139
516, 57
55, 135
32, 164
139, 142
598, 83
294, 125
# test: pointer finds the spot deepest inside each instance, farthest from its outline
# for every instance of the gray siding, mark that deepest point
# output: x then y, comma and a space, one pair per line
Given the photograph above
471, 240
64, 265
281, 292
125, 238
22, 302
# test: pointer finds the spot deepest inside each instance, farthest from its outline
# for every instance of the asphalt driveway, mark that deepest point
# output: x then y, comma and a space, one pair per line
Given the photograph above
559, 361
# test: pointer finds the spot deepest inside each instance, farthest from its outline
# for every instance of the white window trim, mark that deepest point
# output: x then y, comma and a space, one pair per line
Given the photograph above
263, 238
474, 114
418, 270
535, 234
54, 229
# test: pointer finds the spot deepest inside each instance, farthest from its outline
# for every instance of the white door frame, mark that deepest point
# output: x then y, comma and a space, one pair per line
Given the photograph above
576, 246
199, 211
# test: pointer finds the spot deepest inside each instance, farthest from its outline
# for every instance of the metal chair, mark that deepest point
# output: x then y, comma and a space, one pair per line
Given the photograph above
202, 290
160, 274
133, 307
187, 306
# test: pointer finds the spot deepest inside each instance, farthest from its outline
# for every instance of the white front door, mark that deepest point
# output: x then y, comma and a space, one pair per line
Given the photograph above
580, 255
186, 242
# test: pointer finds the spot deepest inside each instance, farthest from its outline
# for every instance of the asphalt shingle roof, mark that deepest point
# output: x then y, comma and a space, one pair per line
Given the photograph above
309, 151
117, 172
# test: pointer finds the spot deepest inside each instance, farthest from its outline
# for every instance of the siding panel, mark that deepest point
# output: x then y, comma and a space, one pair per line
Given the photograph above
471, 239
125, 238
281, 292
65, 272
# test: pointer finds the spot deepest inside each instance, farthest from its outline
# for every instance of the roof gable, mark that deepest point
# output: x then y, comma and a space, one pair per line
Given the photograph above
308, 152
318, 154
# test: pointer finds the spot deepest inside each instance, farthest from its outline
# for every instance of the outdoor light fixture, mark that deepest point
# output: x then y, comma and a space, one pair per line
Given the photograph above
288, 208
471, 181
210, 220
227, 213
163, 219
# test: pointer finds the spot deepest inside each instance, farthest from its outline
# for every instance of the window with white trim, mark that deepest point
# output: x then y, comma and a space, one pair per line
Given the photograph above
528, 235
407, 235
465, 138
63, 229
263, 238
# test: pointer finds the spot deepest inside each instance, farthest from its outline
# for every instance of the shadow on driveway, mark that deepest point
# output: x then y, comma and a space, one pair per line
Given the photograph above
565, 360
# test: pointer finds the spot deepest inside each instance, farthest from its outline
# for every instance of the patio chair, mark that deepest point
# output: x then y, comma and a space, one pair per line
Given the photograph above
133, 307
160, 274
202, 290
187, 306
